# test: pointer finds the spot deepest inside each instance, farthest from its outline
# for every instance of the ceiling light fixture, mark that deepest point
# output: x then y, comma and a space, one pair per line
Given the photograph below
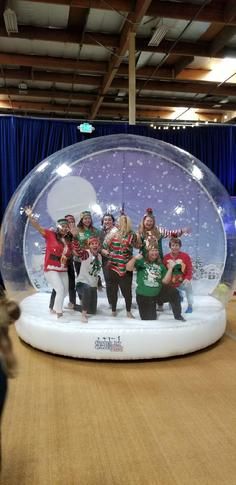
22, 86
10, 20
158, 34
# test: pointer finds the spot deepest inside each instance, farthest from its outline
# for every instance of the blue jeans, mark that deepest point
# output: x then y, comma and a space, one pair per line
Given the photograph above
188, 290
88, 297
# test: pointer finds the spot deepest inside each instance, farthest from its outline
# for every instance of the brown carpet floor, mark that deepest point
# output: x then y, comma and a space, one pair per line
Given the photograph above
161, 422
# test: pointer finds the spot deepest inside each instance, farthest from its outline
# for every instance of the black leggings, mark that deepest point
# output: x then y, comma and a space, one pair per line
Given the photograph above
147, 304
125, 285
107, 277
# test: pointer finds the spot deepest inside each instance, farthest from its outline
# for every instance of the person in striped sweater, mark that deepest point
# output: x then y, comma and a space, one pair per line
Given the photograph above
117, 247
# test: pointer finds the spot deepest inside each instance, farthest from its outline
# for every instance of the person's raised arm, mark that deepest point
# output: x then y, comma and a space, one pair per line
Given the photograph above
35, 224
167, 277
131, 262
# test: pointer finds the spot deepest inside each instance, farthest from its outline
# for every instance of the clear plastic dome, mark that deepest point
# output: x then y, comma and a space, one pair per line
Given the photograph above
105, 173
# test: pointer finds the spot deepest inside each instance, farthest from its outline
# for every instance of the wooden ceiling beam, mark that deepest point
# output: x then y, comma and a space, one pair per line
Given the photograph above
48, 93
229, 11
120, 5
142, 114
182, 64
205, 87
201, 48
131, 25
78, 19
52, 63
221, 40
109, 100
216, 11
60, 77
53, 77
150, 103
43, 107
80, 111
202, 87
213, 30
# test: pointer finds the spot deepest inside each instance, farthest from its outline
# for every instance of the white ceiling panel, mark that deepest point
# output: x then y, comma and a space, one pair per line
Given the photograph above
95, 53
184, 29
35, 14
105, 21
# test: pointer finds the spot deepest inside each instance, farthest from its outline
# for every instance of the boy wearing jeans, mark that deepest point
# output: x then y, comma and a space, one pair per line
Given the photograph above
87, 280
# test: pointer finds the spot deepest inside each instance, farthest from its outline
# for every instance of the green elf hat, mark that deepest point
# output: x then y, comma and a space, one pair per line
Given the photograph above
62, 222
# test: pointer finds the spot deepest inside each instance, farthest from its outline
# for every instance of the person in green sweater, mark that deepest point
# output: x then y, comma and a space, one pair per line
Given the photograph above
149, 233
83, 232
153, 284
86, 229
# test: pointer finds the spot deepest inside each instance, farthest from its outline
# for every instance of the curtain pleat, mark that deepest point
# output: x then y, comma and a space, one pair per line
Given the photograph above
25, 142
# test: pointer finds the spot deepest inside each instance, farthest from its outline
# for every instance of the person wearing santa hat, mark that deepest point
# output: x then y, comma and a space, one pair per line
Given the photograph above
150, 233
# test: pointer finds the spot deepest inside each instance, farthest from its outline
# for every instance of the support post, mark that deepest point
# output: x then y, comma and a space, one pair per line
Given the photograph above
132, 80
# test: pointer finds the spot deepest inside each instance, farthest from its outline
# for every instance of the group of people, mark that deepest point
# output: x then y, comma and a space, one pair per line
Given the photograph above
76, 254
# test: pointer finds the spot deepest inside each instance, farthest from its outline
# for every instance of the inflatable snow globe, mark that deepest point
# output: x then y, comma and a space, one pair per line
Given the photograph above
105, 174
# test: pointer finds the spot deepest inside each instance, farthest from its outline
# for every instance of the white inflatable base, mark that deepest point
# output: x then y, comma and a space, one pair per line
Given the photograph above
120, 338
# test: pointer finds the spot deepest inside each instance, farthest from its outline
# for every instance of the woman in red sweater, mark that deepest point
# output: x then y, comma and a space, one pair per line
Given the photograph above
58, 250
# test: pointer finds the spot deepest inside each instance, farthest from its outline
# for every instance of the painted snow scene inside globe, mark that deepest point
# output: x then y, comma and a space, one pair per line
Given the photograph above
103, 175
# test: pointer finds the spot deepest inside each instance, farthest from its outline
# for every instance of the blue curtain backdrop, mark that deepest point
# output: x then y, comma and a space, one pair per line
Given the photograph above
25, 142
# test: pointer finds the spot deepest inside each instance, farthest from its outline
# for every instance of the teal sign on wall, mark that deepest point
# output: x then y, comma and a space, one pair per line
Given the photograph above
86, 128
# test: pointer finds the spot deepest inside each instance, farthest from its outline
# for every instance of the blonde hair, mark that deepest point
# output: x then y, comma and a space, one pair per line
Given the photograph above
124, 225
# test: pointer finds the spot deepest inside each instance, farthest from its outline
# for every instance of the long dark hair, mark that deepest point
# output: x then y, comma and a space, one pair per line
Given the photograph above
107, 214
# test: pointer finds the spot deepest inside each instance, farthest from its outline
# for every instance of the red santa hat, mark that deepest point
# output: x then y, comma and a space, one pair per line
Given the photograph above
93, 239
149, 213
